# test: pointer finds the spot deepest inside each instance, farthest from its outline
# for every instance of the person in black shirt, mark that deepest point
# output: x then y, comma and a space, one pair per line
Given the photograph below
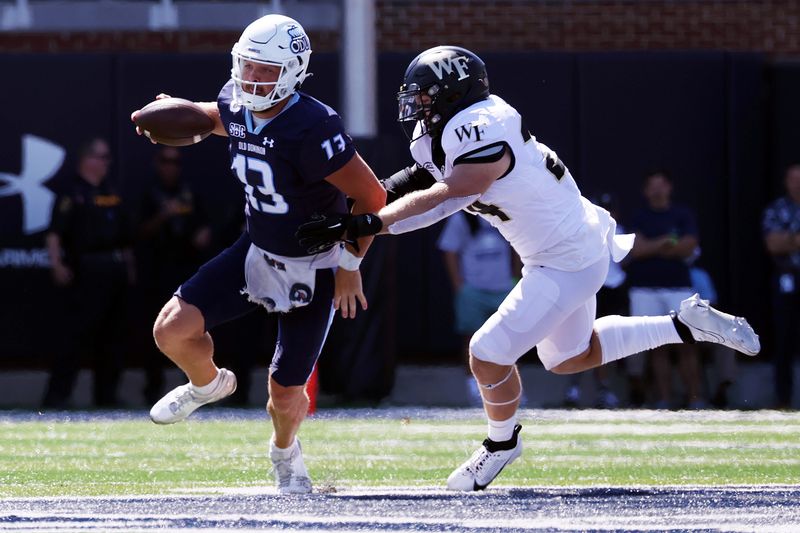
658, 275
174, 237
88, 247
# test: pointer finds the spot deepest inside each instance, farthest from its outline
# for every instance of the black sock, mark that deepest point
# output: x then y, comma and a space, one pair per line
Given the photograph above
683, 330
510, 444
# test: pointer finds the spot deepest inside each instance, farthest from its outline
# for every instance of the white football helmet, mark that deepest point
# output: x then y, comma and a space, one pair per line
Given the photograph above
271, 40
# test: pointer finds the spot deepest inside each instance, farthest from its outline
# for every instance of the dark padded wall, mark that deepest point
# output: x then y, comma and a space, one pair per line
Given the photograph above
61, 100
610, 116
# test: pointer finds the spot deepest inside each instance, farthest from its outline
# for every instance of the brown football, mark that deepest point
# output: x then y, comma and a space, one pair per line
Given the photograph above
174, 122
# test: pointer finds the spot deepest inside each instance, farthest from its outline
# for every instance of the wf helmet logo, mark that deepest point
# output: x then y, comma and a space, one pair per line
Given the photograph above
447, 64
41, 159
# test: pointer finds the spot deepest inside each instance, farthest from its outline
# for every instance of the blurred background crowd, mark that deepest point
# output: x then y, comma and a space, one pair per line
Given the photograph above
679, 117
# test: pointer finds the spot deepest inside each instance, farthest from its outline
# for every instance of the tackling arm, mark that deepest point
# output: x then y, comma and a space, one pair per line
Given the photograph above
358, 182
462, 186
466, 183
410, 179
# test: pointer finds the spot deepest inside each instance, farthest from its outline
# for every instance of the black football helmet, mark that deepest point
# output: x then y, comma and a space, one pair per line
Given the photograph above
452, 77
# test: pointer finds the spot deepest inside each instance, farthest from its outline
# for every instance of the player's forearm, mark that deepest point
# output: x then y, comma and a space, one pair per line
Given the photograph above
412, 204
212, 110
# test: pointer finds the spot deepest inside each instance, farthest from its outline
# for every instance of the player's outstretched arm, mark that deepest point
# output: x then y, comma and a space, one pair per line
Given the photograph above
357, 181
464, 184
212, 111
413, 211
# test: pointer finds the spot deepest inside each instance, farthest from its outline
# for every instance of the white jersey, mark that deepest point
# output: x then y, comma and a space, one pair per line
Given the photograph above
537, 205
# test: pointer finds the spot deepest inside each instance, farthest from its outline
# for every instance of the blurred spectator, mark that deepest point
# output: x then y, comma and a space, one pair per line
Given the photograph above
612, 299
666, 234
479, 264
781, 228
88, 244
175, 238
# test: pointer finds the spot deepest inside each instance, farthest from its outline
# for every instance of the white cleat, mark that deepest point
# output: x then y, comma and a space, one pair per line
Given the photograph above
486, 463
711, 325
182, 401
291, 476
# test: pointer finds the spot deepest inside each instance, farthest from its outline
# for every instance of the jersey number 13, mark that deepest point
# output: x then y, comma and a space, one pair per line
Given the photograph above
260, 189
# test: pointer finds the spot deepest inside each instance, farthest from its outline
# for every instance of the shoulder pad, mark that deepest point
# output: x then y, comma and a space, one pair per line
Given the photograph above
472, 128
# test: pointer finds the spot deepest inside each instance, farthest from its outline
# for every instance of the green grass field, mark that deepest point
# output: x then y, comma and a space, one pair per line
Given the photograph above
55, 458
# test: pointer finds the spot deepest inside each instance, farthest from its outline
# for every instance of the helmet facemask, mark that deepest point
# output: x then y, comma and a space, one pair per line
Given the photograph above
413, 109
291, 76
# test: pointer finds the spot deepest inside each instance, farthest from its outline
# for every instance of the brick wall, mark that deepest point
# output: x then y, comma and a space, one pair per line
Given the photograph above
144, 41
770, 26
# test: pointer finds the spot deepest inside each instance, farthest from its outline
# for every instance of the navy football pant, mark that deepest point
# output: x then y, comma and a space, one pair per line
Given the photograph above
216, 291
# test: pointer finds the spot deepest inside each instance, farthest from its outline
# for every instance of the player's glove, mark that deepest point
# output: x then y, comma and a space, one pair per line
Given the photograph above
323, 232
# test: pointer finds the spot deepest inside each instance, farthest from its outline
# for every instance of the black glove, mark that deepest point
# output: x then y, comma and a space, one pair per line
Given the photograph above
323, 232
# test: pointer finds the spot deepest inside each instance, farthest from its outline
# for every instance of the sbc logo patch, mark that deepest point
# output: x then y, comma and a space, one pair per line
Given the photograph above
236, 130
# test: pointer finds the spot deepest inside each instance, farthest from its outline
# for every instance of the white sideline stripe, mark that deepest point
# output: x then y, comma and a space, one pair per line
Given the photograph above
655, 428
410, 414
393, 490
637, 522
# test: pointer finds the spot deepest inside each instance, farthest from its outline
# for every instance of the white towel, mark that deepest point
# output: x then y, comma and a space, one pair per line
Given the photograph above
281, 283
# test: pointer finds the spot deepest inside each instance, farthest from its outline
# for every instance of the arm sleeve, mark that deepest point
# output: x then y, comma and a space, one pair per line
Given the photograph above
423, 220
410, 179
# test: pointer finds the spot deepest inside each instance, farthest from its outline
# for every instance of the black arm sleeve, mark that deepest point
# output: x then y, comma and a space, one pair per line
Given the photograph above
410, 179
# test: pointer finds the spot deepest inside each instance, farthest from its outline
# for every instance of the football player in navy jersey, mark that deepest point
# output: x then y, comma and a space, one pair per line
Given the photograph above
294, 160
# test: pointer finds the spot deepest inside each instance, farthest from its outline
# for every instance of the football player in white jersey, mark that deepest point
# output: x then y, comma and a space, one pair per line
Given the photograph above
473, 152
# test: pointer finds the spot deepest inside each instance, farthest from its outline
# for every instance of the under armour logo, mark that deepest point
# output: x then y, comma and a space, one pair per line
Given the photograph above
41, 159
268, 141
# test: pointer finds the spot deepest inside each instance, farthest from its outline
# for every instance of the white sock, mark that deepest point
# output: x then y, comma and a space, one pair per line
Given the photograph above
283, 452
502, 430
205, 390
621, 336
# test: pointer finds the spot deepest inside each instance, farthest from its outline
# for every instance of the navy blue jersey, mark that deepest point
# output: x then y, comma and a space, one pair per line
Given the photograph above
282, 166
677, 221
